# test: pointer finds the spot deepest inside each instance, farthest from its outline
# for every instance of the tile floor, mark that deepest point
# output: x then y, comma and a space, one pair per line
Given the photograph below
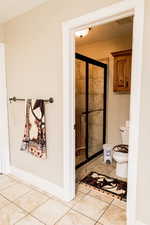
97, 165
23, 204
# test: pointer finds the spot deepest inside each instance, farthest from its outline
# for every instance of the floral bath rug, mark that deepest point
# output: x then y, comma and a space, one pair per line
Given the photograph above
114, 187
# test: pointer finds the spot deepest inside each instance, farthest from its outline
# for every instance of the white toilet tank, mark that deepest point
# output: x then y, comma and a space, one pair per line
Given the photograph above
124, 131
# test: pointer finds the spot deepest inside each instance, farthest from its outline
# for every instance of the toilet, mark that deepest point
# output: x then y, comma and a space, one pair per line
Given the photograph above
120, 153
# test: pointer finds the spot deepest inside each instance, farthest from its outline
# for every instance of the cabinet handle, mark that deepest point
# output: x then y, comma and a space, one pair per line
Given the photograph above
127, 84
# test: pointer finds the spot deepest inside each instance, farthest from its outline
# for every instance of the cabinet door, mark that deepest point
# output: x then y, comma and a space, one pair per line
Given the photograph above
122, 73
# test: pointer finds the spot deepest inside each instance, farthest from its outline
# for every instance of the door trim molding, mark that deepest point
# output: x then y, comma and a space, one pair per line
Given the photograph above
4, 137
116, 11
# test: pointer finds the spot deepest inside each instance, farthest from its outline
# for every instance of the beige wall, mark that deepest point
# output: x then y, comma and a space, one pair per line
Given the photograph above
34, 69
117, 104
143, 185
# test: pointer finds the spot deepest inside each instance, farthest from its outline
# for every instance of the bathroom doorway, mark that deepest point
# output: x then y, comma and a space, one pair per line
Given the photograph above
102, 97
108, 14
103, 62
90, 102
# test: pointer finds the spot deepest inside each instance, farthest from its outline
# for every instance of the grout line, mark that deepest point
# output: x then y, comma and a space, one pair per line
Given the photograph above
24, 210
75, 210
32, 209
62, 216
37, 218
39, 206
8, 186
20, 219
15, 198
104, 211
72, 209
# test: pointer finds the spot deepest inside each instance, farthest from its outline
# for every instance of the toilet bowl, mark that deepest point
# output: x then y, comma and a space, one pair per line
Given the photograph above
120, 153
121, 164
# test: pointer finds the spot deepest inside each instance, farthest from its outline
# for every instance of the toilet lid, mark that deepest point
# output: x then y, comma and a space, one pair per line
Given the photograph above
121, 148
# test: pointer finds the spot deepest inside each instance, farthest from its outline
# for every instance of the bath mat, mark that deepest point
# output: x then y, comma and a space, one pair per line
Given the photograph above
109, 185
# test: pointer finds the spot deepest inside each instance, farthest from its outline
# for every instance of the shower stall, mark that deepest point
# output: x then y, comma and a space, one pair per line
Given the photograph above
90, 108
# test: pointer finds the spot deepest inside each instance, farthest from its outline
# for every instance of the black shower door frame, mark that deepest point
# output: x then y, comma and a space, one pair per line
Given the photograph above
88, 61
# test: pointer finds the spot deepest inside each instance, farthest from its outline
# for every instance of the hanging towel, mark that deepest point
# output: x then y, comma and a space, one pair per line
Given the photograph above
34, 140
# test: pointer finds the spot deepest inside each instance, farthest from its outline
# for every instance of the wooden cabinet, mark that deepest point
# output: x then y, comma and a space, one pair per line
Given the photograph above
122, 71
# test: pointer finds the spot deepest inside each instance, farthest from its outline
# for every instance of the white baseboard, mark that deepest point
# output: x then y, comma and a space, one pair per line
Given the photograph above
38, 182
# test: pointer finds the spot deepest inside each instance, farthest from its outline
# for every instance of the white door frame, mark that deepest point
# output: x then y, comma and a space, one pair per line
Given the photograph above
101, 16
4, 138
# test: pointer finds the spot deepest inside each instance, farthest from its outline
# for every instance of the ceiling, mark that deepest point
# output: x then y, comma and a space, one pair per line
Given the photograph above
12, 8
107, 31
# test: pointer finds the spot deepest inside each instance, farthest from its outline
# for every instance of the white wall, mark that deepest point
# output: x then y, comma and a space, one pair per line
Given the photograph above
143, 184
117, 104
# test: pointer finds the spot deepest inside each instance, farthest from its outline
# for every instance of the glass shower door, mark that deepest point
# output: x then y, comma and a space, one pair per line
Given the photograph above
95, 109
90, 108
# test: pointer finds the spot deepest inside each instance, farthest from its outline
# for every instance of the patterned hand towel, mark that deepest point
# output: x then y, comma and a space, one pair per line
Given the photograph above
34, 140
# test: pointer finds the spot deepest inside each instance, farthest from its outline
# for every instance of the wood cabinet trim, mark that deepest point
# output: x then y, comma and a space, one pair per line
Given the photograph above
124, 52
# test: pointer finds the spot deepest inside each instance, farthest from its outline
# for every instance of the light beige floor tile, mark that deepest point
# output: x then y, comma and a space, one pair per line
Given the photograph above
104, 169
74, 218
5, 181
41, 191
29, 220
82, 188
10, 214
79, 195
114, 216
119, 203
91, 207
15, 191
31, 200
3, 202
50, 211
101, 196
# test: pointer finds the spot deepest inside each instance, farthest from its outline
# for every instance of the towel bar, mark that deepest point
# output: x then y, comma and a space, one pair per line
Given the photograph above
14, 99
